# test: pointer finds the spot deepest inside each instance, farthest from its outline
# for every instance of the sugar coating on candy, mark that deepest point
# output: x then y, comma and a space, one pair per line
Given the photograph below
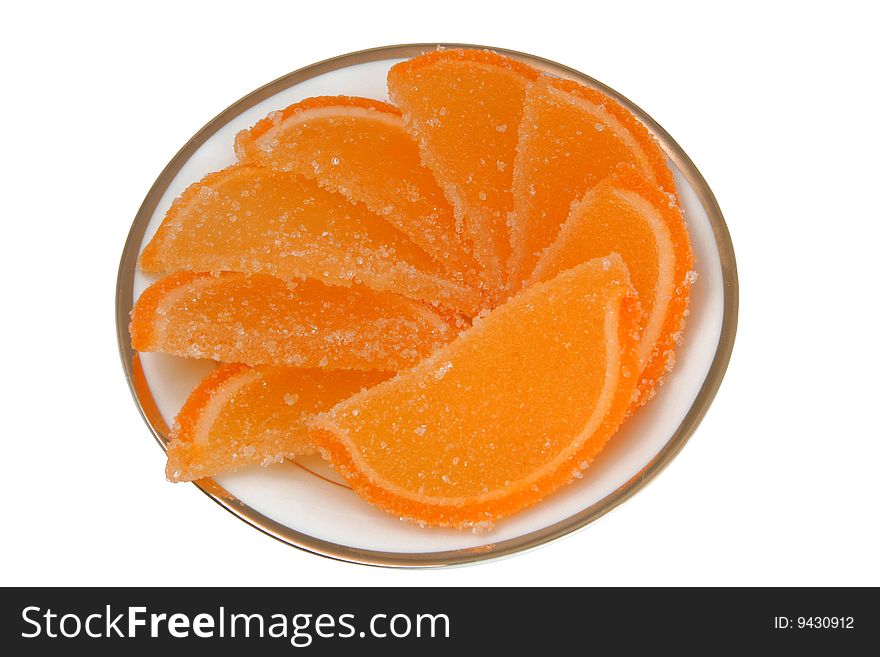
252, 219
361, 149
239, 416
463, 107
628, 215
262, 320
571, 137
511, 410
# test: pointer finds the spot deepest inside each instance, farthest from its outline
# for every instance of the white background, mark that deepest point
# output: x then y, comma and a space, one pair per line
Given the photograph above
776, 104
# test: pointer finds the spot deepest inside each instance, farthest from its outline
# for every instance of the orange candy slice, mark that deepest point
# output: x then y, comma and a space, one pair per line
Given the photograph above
630, 216
571, 138
252, 219
240, 416
261, 320
463, 107
511, 410
359, 148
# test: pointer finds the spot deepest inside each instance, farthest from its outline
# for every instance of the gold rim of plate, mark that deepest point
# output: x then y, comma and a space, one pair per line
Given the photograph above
148, 409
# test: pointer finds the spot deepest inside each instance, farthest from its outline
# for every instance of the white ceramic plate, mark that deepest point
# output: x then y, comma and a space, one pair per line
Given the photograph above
306, 504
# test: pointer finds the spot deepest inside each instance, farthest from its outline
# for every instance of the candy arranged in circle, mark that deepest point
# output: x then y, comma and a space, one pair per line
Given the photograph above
457, 300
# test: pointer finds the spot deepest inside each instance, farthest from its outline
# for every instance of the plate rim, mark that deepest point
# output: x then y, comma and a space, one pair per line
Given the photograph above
149, 412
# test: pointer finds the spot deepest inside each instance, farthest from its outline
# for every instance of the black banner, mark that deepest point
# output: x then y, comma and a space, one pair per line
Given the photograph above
435, 621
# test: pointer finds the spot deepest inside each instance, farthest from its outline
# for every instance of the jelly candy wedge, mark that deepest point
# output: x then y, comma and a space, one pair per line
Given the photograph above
630, 216
360, 148
262, 320
571, 137
252, 219
240, 416
511, 410
463, 107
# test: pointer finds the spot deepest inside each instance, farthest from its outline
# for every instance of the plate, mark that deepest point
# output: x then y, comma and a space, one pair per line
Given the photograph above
304, 503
